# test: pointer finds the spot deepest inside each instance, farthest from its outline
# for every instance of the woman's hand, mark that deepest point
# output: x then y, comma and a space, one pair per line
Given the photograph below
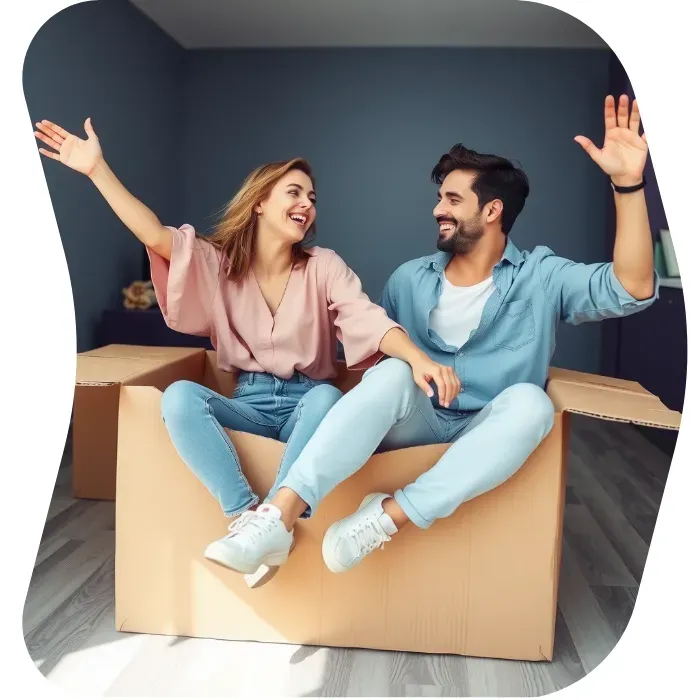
83, 155
448, 385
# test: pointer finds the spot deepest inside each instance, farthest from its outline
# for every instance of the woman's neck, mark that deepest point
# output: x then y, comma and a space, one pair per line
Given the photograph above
271, 257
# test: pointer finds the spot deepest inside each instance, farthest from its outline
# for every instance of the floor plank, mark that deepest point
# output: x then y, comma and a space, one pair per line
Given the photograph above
50, 590
617, 604
598, 560
588, 626
67, 628
566, 667
626, 495
612, 521
615, 483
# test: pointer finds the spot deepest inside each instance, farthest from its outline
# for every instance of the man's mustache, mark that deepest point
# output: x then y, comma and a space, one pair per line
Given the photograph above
445, 220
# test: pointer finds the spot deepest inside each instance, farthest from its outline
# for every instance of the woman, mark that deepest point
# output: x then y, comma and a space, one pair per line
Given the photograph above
272, 308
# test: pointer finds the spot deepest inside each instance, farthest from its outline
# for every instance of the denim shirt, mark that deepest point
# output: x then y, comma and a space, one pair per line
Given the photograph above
515, 339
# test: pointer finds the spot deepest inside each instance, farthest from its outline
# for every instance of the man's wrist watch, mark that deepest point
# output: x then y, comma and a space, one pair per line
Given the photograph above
632, 188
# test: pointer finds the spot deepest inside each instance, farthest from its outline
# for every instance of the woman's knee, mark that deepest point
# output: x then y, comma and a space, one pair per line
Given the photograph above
180, 399
322, 397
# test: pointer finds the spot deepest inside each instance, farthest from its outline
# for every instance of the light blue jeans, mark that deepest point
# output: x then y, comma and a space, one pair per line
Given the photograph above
288, 410
388, 411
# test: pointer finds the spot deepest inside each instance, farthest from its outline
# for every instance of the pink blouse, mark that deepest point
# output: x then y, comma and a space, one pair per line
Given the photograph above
323, 301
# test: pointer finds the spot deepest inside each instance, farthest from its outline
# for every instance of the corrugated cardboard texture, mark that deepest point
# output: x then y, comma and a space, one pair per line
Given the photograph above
99, 374
141, 352
481, 583
608, 398
95, 412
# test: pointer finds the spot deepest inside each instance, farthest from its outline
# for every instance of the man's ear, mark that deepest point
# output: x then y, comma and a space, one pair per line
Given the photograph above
494, 209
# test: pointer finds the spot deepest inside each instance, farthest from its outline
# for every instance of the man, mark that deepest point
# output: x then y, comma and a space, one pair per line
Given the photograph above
490, 311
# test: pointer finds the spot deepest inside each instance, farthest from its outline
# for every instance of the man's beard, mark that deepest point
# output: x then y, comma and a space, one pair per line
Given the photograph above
465, 237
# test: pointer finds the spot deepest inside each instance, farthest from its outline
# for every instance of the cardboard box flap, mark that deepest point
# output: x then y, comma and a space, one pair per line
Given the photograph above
608, 398
97, 371
121, 364
142, 352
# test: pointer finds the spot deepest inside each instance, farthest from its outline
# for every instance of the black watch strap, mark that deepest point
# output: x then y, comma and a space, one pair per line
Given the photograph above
632, 188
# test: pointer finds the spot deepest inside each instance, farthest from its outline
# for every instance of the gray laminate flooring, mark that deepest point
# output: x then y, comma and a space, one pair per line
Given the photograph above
615, 482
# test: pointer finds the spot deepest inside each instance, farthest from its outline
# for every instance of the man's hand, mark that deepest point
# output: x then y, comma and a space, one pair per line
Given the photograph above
624, 151
448, 385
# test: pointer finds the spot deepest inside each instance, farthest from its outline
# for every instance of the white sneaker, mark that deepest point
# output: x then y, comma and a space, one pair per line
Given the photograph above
347, 542
255, 538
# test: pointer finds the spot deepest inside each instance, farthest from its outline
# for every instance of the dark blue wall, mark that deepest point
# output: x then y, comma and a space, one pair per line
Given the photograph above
374, 122
108, 61
182, 130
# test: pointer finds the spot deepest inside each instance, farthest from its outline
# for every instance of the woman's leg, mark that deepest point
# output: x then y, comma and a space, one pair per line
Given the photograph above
260, 540
195, 418
296, 432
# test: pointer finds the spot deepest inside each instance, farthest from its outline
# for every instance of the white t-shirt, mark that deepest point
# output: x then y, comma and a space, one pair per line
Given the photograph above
459, 310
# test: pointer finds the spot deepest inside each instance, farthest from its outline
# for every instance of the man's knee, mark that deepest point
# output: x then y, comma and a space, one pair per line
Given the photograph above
391, 374
532, 406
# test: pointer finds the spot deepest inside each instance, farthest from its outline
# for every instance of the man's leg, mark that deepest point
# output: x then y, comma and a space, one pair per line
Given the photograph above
487, 453
494, 445
387, 399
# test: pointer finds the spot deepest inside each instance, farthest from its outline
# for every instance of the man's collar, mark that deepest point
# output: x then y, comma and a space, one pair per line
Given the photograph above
439, 261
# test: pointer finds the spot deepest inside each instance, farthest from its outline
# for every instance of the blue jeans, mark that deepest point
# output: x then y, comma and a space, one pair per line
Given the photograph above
288, 410
388, 411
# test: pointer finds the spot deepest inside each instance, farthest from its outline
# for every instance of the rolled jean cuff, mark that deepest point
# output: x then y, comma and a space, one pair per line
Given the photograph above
413, 515
301, 490
233, 512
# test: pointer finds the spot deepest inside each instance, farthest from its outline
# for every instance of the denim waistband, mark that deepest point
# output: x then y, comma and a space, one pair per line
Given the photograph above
267, 378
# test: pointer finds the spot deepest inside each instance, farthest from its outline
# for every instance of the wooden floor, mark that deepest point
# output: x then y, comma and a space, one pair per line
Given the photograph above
616, 480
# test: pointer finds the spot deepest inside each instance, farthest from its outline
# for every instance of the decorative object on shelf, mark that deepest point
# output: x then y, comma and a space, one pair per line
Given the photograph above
139, 295
669, 253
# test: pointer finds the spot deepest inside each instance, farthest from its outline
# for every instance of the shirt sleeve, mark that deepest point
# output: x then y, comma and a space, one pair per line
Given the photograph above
360, 324
186, 285
588, 292
388, 298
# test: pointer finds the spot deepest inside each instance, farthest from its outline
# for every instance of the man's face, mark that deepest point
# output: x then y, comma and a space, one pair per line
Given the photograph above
460, 221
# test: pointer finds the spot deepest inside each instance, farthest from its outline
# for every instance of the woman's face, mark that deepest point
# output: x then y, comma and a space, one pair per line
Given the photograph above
290, 209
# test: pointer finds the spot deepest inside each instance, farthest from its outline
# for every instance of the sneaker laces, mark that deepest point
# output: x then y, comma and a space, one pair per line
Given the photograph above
250, 523
368, 535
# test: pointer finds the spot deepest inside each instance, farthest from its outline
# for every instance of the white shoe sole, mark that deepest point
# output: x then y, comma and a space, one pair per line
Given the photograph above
264, 574
221, 555
328, 557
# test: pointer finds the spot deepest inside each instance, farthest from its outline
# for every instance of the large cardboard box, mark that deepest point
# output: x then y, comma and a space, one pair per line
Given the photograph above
99, 376
481, 583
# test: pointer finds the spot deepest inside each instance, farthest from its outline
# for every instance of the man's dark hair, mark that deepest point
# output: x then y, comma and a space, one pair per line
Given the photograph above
496, 178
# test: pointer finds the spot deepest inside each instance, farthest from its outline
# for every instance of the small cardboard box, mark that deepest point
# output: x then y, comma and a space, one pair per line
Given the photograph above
480, 583
99, 376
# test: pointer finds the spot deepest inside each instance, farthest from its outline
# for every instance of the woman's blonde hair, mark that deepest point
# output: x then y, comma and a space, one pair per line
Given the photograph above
234, 235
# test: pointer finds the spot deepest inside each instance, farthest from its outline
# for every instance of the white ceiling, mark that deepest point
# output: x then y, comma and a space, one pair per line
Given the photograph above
209, 24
